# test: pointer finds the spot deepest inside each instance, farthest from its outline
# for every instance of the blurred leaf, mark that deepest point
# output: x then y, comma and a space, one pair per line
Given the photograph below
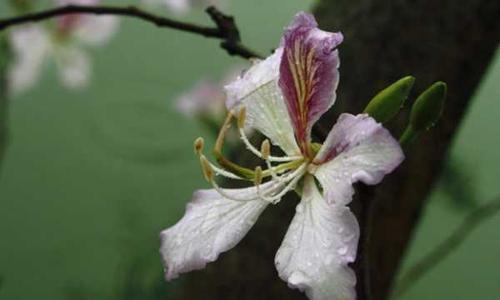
143, 279
457, 182
4, 57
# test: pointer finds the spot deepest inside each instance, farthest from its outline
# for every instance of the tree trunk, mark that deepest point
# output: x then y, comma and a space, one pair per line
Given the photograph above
448, 40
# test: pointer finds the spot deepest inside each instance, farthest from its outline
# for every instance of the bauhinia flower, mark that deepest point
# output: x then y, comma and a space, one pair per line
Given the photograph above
61, 42
282, 97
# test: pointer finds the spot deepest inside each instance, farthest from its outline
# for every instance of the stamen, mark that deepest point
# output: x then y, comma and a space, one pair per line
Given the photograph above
272, 171
256, 152
265, 149
258, 176
242, 117
208, 172
199, 143
224, 173
223, 161
224, 194
266, 193
296, 176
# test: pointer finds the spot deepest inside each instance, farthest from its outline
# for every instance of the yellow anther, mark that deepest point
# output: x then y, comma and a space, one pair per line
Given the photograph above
199, 143
257, 180
265, 149
242, 116
208, 172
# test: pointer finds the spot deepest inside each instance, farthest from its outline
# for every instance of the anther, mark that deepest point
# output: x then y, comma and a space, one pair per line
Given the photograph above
208, 172
265, 149
258, 176
242, 116
199, 143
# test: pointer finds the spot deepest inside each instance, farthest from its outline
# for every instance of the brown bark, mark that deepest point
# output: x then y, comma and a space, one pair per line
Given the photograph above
446, 40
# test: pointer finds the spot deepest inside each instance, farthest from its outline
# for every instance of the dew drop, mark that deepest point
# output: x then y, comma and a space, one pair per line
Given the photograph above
342, 250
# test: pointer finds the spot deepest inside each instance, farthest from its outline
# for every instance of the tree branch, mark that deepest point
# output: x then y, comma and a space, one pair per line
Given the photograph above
446, 247
225, 29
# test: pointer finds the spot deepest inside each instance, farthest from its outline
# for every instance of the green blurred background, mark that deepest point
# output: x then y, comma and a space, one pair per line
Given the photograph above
91, 177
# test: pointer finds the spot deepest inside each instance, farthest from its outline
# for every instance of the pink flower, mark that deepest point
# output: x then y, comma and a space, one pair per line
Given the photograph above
282, 96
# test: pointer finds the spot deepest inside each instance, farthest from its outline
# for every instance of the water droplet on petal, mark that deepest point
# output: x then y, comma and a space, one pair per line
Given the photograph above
297, 277
342, 250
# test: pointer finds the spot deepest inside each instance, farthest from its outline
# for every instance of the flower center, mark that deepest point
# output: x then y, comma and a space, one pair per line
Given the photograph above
284, 171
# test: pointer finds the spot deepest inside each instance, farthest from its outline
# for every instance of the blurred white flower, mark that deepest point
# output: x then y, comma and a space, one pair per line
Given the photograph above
181, 7
63, 43
206, 99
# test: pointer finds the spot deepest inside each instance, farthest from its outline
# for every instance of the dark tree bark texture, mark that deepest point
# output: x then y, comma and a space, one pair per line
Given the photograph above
449, 40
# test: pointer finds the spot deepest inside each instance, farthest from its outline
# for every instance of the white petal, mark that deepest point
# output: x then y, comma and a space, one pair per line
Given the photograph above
96, 30
178, 7
212, 225
321, 241
356, 149
30, 46
74, 66
258, 91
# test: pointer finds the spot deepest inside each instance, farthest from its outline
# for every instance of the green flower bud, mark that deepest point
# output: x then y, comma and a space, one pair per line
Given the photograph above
387, 103
428, 107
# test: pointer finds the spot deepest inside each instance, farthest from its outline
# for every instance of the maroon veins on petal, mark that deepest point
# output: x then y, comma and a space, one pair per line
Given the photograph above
308, 74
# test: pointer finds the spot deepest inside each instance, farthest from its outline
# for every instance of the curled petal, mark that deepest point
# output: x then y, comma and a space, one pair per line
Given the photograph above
257, 90
308, 74
321, 241
356, 149
31, 46
212, 225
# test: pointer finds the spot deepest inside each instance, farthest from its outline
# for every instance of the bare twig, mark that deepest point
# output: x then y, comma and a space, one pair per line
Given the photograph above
225, 29
445, 248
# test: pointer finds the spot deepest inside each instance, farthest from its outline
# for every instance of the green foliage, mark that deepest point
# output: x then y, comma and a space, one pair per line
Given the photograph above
458, 183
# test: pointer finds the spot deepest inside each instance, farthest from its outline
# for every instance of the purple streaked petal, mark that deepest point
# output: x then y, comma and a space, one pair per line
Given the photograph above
321, 241
308, 74
211, 225
356, 149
